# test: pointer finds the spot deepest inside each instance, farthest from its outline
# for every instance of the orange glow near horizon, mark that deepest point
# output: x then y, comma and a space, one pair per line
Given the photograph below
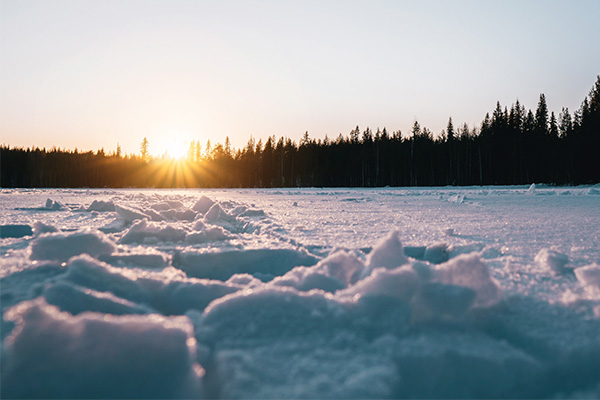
171, 146
176, 150
175, 173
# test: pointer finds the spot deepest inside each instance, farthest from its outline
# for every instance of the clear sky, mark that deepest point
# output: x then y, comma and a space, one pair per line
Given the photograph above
91, 73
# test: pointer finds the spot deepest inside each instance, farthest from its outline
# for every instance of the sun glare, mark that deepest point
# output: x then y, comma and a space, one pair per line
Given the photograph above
175, 150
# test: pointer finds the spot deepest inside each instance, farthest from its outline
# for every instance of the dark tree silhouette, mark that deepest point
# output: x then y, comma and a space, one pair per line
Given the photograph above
511, 146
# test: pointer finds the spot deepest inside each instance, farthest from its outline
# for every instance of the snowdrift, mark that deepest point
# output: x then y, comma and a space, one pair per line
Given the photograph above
195, 296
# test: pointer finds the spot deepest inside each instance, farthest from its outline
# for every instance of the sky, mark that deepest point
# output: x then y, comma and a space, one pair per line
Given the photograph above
91, 74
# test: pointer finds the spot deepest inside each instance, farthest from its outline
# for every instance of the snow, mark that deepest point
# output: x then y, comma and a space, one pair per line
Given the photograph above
129, 215
100, 205
143, 231
89, 354
61, 246
552, 260
451, 292
15, 231
203, 204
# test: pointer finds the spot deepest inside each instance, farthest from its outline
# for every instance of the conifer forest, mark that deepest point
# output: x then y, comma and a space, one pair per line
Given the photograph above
512, 145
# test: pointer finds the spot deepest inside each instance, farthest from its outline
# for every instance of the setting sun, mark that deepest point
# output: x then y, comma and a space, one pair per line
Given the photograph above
175, 150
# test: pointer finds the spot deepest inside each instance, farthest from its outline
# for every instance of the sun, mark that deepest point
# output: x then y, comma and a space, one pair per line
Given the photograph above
175, 150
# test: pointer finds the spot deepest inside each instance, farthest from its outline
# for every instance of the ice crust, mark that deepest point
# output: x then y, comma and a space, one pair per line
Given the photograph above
187, 295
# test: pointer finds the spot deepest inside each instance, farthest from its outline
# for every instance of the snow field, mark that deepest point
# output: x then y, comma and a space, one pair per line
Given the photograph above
446, 293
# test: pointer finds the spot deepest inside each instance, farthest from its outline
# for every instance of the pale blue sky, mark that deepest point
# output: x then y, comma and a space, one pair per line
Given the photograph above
89, 74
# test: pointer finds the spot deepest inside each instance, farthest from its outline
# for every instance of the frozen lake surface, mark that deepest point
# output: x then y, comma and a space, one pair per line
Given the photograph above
484, 292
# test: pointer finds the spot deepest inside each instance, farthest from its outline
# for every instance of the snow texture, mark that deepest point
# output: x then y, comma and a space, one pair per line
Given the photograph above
61, 246
475, 292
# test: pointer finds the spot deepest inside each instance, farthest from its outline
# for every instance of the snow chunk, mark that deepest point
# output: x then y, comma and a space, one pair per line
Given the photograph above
387, 253
457, 198
129, 215
531, 189
269, 313
335, 272
98, 355
401, 283
214, 233
178, 215
593, 191
167, 205
39, 228
199, 225
75, 299
589, 276
203, 205
86, 271
552, 260
61, 246
101, 206
15, 231
263, 264
54, 205
468, 271
307, 278
216, 214
143, 231
342, 265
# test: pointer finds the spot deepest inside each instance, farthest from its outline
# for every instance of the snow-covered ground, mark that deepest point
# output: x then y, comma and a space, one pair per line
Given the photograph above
320, 293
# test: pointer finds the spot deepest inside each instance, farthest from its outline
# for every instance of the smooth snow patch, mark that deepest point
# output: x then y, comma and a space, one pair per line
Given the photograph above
15, 231
263, 264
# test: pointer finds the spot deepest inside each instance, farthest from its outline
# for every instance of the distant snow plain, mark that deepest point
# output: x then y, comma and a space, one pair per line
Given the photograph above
477, 292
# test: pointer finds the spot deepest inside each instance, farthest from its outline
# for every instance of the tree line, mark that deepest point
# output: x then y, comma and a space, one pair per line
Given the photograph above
510, 146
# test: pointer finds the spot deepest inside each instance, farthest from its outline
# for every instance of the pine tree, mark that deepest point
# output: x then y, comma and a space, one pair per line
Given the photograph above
208, 151
565, 122
227, 147
144, 149
450, 135
191, 151
541, 116
553, 126
198, 155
